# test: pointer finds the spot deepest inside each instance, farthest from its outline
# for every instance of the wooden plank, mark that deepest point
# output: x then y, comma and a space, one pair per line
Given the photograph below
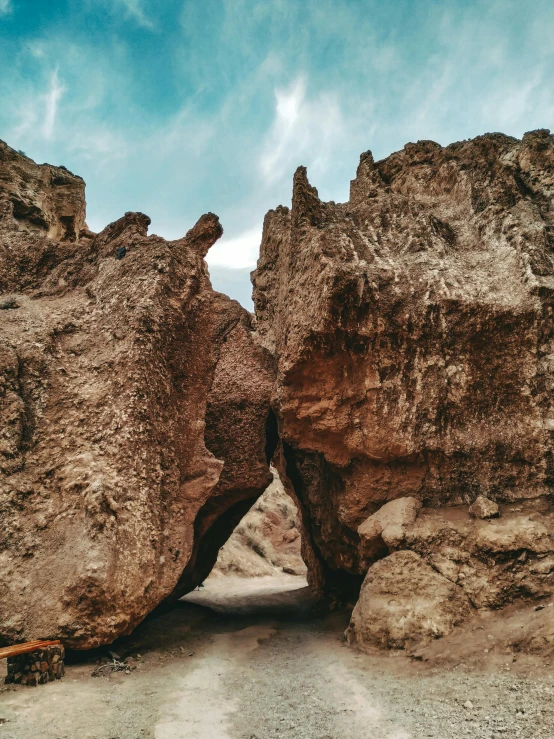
30, 646
25, 644
25, 648
36, 643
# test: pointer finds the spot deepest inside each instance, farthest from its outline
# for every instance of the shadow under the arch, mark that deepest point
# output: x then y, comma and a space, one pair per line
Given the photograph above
223, 605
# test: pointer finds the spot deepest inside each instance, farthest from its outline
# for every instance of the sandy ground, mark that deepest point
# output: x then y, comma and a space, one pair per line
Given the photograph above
263, 662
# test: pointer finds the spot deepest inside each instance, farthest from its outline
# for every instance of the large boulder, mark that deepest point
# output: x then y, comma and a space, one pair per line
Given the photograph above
404, 602
387, 525
493, 562
133, 413
413, 332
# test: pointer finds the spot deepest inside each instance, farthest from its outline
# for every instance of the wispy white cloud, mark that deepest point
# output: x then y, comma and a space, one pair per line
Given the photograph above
234, 282
304, 130
36, 48
52, 98
472, 83
288, 104
229, 116
38, 114
136, 11
99, 145
505, 106
27, 114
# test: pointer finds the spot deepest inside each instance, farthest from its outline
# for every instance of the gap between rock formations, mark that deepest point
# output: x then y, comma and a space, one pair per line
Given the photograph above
398, 373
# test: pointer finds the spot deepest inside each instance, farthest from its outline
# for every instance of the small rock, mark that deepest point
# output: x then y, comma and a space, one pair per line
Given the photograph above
468, 705
8, 303
484, 508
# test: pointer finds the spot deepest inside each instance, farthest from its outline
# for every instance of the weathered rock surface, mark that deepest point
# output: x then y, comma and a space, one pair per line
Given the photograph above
484, 508
36, 201
267, 541
412, 334
382, 529
414, 337
487, 638
40, 199
490, 563
133, 407
494, 562
403, 602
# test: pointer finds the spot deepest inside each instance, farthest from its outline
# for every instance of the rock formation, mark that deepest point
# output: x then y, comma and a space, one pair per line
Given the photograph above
400, 373
133, 412
403, 600
414, 338
40, 199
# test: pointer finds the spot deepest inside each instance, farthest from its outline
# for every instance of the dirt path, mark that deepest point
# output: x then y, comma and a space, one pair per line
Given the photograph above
267, 664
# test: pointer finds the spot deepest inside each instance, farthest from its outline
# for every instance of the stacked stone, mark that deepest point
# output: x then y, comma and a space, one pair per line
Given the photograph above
37, 668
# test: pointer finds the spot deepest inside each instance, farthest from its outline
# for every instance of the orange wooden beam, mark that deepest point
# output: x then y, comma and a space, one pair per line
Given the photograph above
30, 646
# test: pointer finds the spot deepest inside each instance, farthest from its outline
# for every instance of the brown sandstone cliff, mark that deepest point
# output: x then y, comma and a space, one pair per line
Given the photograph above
133, 407
413, 332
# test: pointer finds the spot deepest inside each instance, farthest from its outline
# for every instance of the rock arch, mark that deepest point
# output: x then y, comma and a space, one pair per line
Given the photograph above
401, 348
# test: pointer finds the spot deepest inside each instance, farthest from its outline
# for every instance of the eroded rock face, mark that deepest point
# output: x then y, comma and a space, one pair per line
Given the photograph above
494, 562
36, 201
413, 331
40, 199
404, 602
387, 524
133, 407
475, 564
267, 540
239, 431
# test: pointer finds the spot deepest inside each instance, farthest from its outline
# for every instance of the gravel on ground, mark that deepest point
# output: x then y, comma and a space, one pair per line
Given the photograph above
257, 659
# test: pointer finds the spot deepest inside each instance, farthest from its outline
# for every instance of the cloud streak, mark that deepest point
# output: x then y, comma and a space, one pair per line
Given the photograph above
5, 7
52, 99
305, 130
136, 12
238, 252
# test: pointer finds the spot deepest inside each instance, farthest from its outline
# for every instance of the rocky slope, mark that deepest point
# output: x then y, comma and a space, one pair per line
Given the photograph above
413, 332
267, 540
133, 410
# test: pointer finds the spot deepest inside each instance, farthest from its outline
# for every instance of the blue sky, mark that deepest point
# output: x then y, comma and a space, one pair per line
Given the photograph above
177, 107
